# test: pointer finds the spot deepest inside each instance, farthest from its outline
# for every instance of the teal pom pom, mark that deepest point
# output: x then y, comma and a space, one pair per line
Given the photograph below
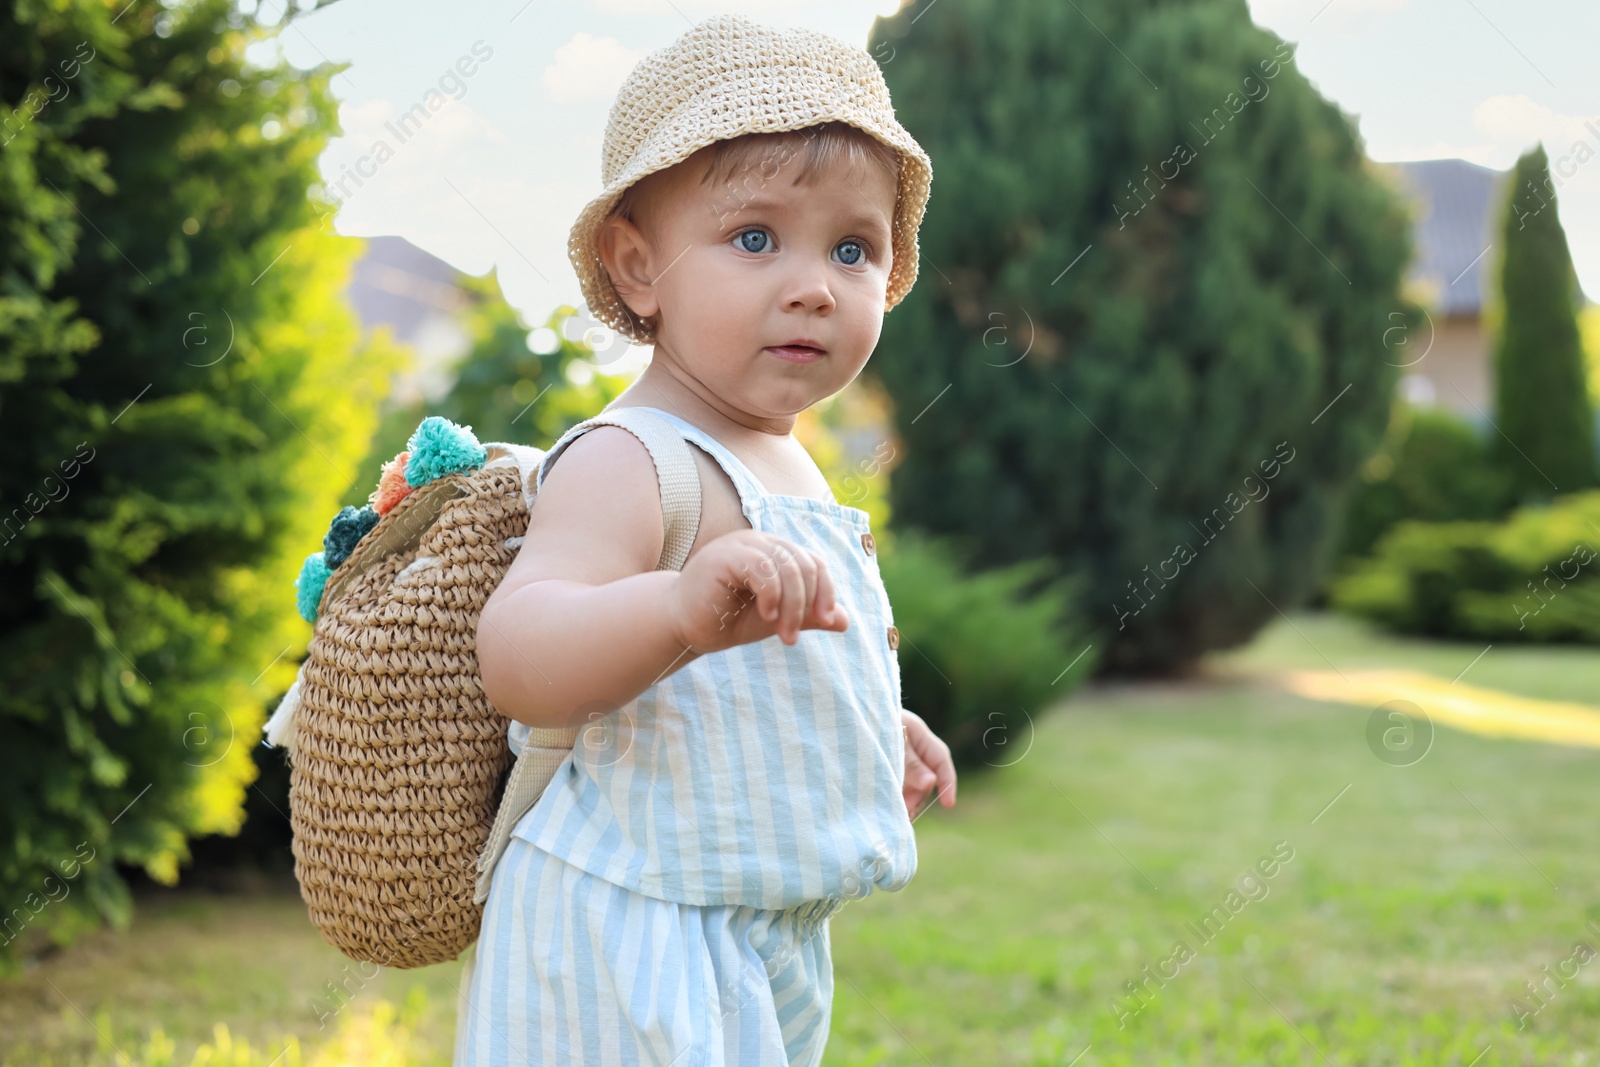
440, 447
348, 528
313, 577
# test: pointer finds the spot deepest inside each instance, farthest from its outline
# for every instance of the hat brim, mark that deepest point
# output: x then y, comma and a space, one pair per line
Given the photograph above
606, 304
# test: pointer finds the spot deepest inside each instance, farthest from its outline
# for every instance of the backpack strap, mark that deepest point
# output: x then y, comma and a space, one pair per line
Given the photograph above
546, 749
675, 470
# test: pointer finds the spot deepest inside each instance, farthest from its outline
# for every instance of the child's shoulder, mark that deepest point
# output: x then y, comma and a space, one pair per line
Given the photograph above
601, 448
600, 497
611, 473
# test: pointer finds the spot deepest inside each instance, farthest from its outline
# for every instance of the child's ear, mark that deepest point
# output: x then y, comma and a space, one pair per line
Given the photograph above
626, 254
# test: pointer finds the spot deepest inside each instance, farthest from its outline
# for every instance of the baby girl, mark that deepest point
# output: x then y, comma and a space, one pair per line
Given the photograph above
746, 766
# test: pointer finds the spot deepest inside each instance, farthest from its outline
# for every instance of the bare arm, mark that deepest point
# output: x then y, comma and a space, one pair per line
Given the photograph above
583, 622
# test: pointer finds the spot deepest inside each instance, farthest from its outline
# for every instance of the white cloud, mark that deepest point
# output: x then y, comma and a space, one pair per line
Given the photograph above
589, 68
1520, 121
389, 154
1484, 154
1509, 125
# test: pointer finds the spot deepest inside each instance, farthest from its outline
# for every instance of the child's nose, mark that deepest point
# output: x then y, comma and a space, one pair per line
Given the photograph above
810, 287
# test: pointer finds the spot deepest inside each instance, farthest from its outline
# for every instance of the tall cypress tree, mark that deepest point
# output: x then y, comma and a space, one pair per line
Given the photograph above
1541, 385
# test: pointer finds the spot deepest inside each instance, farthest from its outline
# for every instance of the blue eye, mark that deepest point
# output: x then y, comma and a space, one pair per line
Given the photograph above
852, 252
758, 244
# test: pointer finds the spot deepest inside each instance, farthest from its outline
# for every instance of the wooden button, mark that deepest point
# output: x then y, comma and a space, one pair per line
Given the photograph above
868, 543
894, 637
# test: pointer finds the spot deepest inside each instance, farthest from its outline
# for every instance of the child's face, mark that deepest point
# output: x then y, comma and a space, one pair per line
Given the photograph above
740, 268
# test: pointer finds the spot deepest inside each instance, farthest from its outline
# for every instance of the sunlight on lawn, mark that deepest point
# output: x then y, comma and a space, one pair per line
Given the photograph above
381, 1036
1482, 711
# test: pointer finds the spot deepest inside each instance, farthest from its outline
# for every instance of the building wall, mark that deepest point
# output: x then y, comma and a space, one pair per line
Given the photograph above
1455, 371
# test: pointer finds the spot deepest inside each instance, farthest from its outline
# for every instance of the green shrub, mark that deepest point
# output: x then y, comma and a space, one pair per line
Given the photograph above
1155, 257
1435, 468
981, 655
184, 394
1528, 578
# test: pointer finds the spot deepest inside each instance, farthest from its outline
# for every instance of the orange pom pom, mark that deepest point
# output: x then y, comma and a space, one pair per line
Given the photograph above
392, 486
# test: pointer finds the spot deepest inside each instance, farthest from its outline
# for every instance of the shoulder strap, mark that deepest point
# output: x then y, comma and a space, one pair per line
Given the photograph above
544, 750
675, 470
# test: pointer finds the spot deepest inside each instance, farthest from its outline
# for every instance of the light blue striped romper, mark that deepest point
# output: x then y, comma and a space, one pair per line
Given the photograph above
667, 899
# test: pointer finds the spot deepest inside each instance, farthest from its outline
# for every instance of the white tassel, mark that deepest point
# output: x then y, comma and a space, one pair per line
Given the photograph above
280, 728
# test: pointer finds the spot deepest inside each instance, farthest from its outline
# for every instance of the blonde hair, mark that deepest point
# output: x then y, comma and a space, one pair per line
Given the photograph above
746, 158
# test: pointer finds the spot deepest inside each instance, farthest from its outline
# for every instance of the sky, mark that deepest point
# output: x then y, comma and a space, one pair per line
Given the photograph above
495, 177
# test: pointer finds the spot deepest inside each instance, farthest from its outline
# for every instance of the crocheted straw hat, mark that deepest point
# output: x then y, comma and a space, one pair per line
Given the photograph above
726, 77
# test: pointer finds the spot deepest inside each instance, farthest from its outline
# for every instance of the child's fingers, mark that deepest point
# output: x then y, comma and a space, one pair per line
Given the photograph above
792, 585
812, 573
919, 775
825, 608
811, 568
789, 587
945, 773
765, 580
779, 586
805, 566
936, 754
919, 782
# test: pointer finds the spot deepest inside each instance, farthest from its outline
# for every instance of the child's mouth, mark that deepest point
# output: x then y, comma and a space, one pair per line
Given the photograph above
797, 353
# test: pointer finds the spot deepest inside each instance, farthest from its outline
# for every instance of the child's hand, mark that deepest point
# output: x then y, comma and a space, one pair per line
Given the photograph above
748, 585
927, 763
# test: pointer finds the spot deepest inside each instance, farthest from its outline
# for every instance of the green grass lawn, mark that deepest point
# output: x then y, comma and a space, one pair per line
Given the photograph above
1409, 915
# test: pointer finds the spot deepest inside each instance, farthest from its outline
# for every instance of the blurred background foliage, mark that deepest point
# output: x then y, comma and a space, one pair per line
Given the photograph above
170, 330
1530, 577
1542, 405
982, 652
1115, 326
502, 388
1480, 532
1431, 467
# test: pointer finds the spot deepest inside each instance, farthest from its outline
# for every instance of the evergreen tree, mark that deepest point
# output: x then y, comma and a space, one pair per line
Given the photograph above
183, 399
1147, 336
1542, 404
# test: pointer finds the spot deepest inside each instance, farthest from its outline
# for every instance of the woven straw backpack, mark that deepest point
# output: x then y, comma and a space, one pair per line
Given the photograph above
403, 787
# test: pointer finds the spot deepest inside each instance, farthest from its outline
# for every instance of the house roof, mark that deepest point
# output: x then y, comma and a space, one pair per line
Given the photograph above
398, 284
1455, 205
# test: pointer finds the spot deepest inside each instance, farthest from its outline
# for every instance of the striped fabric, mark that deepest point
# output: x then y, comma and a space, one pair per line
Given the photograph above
667, 900
767, 775
573, 971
